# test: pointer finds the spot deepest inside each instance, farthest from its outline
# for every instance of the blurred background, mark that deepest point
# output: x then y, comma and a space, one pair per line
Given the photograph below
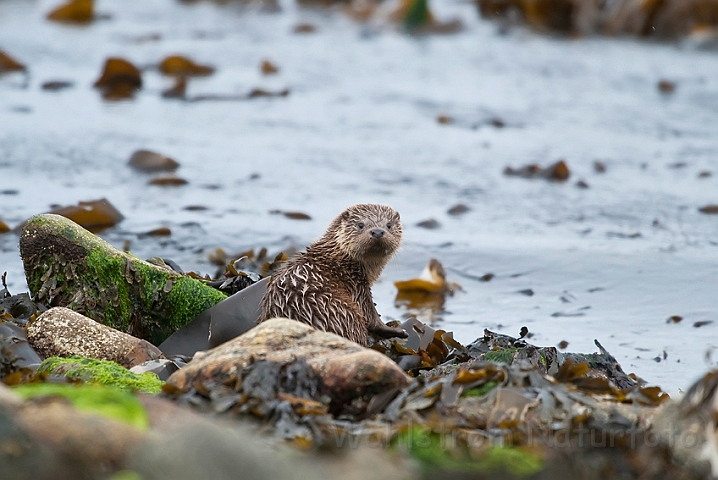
280, 114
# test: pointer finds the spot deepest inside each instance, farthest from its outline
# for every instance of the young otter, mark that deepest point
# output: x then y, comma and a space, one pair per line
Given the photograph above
329, 286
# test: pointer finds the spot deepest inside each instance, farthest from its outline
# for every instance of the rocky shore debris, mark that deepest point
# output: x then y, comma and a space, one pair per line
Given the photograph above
66, 265
667, 19
150, 162
93, 215
74, 11
119, 79
349, 375
558, 171
9, 64
428, 291
62, 332
179, 66
500, 406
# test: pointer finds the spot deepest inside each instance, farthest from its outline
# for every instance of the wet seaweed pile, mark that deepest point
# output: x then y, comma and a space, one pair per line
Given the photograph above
463, 403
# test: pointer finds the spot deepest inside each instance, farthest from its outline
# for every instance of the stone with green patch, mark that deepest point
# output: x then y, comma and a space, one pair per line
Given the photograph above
448, 454
102, 372
97, 399
67, 265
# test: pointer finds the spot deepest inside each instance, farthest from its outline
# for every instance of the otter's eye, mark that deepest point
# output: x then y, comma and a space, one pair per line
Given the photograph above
388, 225
360, 225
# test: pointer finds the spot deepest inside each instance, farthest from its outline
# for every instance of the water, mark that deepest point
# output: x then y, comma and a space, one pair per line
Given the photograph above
360, 126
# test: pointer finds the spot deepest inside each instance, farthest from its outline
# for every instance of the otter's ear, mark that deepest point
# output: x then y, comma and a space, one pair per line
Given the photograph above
345, 215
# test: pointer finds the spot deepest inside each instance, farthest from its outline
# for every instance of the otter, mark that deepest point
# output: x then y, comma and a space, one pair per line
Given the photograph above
329, 286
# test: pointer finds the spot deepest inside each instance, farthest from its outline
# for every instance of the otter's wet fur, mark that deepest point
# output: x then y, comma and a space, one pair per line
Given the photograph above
329, 286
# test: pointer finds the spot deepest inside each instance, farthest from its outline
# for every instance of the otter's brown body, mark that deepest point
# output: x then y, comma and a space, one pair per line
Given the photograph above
329, 286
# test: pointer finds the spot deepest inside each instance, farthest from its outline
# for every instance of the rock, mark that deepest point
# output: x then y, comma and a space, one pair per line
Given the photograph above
66, 265
458, 209
103, 372
347, 370
163, 368
23, 457
148, 161
60, 332
56, 85
198, 446
85, 438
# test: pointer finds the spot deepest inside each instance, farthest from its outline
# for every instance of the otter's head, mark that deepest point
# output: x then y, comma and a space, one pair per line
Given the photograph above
369, 233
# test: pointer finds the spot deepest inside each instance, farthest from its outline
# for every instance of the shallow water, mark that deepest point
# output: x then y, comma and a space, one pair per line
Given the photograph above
360, 126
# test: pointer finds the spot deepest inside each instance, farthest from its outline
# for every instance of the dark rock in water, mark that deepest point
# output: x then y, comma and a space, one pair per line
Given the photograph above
66, 265
55, 85
349, 374
149, 161
430, 224
458, 209
224, 321
63, 333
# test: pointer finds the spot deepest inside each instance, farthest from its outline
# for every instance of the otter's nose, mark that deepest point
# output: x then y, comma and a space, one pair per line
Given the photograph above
377, 233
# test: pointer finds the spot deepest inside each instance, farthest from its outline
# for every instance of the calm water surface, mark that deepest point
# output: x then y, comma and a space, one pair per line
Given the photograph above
360, 126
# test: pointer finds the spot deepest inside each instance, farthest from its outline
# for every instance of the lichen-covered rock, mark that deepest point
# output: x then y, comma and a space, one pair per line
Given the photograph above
347, 371
62, 332
68, 266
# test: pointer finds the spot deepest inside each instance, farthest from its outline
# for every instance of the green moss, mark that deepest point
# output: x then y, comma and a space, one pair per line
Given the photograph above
501, 356
101, 400
432, 453
103, 372
189, 298
480, 391
126, 475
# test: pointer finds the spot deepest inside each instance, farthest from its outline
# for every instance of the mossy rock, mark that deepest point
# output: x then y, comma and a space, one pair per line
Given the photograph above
97, 399
435, 453
68, 266
102, 372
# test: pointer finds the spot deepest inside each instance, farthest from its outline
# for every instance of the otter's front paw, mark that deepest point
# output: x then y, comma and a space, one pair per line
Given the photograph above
385, 331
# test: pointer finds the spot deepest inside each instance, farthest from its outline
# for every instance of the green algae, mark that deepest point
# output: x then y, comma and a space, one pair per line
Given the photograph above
126, 475
102, 400
480, 391
516, 461
436, 452
505, 355
103, 372
67, 265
